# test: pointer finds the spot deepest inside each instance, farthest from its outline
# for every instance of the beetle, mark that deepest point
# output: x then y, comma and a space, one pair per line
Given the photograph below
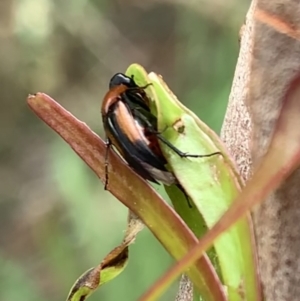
132, 129
131, 133
139, 103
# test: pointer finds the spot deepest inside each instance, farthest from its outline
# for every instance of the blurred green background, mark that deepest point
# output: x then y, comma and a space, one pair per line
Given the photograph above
55, 219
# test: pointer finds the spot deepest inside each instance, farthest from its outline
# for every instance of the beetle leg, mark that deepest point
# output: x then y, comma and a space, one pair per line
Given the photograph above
159, 132
108, 145
182, 154
146, 86
138, 88
185, 194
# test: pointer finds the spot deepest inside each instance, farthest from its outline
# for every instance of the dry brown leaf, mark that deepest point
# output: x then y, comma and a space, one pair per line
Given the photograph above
111, 266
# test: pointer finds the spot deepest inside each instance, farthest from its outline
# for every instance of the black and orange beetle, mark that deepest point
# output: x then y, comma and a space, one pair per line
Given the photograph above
132, 129
129, 127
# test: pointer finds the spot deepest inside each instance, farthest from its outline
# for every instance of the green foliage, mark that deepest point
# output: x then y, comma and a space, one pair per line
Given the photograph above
54, 214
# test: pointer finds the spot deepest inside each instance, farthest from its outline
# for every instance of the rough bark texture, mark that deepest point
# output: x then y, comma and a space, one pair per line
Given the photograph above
185, 291
269, 59
237, 127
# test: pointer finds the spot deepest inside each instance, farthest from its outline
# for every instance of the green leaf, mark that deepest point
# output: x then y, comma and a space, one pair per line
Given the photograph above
131, 190
212, 183
275, 167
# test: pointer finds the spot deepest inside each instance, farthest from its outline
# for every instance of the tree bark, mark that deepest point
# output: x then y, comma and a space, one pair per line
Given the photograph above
185, 291
269, 59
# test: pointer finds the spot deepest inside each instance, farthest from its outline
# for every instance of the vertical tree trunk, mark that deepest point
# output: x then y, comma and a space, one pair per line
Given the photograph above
269, 59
